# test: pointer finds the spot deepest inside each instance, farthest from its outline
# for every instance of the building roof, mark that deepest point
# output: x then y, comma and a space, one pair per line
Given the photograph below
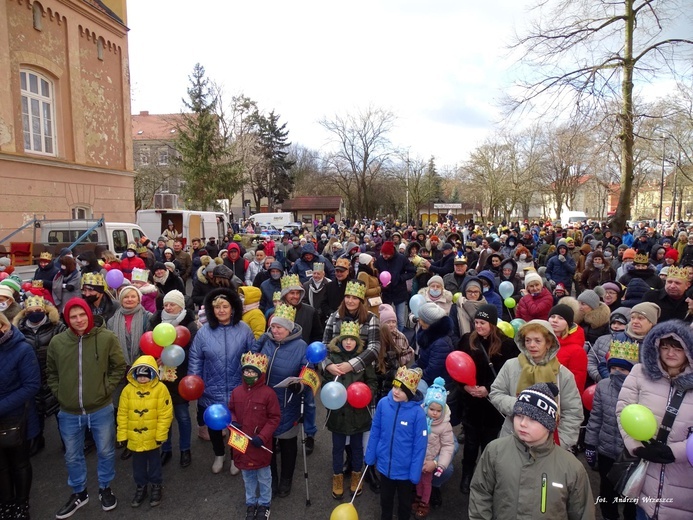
100, 6
312, 203
161, 127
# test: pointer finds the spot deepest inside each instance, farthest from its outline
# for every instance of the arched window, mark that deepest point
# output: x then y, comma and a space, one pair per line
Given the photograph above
38, 16
38, 113
81, 213
99, 49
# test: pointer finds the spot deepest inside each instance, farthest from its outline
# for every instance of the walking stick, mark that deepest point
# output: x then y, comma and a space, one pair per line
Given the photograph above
303, 445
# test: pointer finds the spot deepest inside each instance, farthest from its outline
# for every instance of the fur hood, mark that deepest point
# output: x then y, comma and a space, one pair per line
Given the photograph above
51, 312
234, 299
595, 319
439, 329
148, 289
649, 352
513, 266
553, 349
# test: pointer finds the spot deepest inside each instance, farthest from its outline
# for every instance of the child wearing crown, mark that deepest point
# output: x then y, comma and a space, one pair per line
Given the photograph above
255, 411
348, 422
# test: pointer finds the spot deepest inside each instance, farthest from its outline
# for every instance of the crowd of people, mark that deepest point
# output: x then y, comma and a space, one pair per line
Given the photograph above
588, 306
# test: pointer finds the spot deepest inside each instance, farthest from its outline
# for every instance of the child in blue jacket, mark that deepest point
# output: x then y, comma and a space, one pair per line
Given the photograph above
398, 441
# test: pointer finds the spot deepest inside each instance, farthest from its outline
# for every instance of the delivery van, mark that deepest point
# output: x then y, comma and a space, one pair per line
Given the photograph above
114, 236
278, 220
191, 224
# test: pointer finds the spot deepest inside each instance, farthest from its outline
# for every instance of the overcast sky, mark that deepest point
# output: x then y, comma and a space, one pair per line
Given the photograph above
439, 65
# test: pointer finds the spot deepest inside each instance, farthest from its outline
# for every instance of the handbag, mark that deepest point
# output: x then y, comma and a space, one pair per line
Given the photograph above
13, 430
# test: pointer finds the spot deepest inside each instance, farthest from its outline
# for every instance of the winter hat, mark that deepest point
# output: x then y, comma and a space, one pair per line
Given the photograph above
435, 279
6, 291
5, 261
538, 402
157, 266
254, 361
623, 354
613, 286
12, 284
559, 288
349, 329
664, 271
387, 313
126, 289
407, 380
176, 297
487, 312
589, 298
621, 315
365, 259
430, 313
436, 393
564, 311
531, 277
221, 271
388, 248
673, 254
284, 316
143, 370
650, 310
170, 266
629, 254
600, 291
447, 246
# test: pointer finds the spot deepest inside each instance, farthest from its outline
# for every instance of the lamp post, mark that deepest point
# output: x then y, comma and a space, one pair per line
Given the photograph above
661, 185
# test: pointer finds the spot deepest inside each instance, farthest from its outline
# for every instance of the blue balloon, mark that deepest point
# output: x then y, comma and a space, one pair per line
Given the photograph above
173, 356
217, 417
333, 395
316, 352
415, 304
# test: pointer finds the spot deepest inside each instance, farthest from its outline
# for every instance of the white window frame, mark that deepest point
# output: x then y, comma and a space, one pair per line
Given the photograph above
163, 157
76, 212
45, 103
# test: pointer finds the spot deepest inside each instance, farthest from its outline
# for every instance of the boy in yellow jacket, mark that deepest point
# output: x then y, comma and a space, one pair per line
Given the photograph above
145, 413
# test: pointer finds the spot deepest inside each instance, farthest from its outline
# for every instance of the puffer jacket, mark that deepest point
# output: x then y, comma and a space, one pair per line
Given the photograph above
286, 359
149, 295
216, 351
201, 286
572, 355
561, 272
507, 483
256, 409
602, 428
253, 316
535, 307
145, 411
434, 346
399, 438
503, 395
302, 265
491, 295
441, 440
349, 420
649, 385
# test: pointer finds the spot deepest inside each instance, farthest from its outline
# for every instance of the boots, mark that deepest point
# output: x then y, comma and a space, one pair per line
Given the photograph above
466, 481
140, 495
155, 498
337, 486
356, 486
218, 464
284, 487
436, 498
421, 511
373, 479
19, 510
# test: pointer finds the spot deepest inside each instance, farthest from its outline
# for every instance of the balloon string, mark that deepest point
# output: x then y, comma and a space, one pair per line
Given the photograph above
360, 482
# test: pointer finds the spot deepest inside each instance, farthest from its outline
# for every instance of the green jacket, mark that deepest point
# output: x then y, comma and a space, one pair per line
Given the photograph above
82, 372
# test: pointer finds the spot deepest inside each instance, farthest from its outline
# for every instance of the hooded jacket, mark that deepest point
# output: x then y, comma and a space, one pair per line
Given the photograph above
401, 270
216, 351
82, 371
602, 428
535, 307
561, 271
491, 294
40, 337
503, 394
302, 265
145, 411
572, 354
434, 346
650, 385
253, 316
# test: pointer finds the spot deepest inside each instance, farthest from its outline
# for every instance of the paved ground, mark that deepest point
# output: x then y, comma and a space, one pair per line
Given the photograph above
196, 493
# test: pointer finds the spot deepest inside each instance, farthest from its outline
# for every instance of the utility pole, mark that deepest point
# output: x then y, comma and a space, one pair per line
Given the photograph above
661, 185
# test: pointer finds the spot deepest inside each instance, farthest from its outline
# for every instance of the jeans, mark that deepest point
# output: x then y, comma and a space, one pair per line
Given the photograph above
72, 428
254, 480
182, 413
401, 312
338, 444
388, 488
15, 473
146, 467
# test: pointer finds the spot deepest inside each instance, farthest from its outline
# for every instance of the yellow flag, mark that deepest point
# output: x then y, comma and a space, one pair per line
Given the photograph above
310, 377
237, 440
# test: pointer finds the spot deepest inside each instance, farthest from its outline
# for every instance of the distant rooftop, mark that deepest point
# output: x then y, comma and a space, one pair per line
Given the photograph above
160, 127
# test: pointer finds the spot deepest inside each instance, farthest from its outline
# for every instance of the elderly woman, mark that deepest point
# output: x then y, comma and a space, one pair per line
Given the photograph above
21, 380
286, 350
435, 293
537, 363
663, 380
215, 356
463, 311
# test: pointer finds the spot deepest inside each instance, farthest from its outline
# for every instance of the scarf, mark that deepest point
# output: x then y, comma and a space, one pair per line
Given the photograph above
465, 315
129, 342
314, 289
637, 337
163, 279
532, 373
250, 307
173, 319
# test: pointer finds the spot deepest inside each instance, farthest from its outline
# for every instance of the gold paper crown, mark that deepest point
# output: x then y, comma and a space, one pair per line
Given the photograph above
34, 301
318, 266
290, 280
277, 295
140, 275
93, 279
677, 272
257, 361
285, 311
37, 283
350, 329
627, 350
45, 256
641, 258
354, 288
141, 249
408, 377
132, 246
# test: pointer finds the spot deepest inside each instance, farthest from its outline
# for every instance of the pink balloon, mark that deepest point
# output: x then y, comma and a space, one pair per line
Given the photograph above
385, 278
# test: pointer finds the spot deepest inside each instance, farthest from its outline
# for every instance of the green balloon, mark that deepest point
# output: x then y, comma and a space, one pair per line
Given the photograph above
164, 334
517, 323
509, 303
639, 422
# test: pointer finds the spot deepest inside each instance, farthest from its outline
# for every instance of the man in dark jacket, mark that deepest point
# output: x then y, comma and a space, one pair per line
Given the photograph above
400, 270
271, 285
305, 263
672, 299
102, 306
235, 261
46, 270
264, 273
446, 263
453, 281
212, 247
334, 292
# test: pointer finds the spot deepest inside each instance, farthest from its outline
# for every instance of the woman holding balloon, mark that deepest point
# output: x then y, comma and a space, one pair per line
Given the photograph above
463, 311
661, 381
368, 275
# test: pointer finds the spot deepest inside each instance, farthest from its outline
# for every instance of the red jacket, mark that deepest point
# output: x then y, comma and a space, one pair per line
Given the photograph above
572, 355
535, 307
128, 264
257, 410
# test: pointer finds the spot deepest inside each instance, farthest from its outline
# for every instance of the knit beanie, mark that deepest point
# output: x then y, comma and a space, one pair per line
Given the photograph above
388, 248
430, 313
613, 286
532, 277
436, 393
175, 297
284, 316
12, 283
650, 310
629, 254
673, 254
143, 370
589, 298
621, 315
387, 313
487, 312
407, 380
126, 289
365, 259
538, 402
564, 311
6, 291
435, 279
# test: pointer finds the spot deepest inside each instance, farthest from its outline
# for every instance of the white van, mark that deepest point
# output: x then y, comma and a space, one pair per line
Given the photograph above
278, 220
192, 224
113, 235
573, 217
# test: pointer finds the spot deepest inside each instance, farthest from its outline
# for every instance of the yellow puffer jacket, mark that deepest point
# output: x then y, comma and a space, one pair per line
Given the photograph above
252, 315
145, 411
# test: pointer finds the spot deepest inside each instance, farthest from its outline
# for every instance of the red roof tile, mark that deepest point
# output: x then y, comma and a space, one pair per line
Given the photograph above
307, 203
146, 126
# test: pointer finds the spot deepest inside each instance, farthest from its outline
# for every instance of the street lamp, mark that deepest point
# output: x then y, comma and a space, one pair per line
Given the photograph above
661, 185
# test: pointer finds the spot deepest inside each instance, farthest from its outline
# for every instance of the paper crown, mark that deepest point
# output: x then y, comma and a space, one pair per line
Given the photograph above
34, 301
286, 312
354, 288
291, 280
257, 361
93, 279
140, 275
641, 258
141, 249
678, 272
409, 378
37, 283
350, 329
626, 350
318, 266
132, 246
276, 295
45, 256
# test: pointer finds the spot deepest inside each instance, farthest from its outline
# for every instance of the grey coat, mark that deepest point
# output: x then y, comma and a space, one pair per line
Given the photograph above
602, 429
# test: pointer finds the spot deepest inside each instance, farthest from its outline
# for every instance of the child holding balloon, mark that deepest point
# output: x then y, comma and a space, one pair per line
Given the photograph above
351, 419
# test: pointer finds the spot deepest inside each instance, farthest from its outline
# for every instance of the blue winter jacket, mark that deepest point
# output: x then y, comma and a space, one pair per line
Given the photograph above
491, 295
215, 356
399, 437
301, 266
20, 380
434, 346
268, 288
561, 272
286, 359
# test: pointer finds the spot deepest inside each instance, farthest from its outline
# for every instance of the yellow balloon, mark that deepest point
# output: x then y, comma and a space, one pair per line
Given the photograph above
344, 512
506, 328
456, 297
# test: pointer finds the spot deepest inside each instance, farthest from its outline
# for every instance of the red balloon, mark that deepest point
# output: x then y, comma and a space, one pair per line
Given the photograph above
588, 397
359, 395
26, 286
461, 367
182, 336
3, 275
191, 388
149, 347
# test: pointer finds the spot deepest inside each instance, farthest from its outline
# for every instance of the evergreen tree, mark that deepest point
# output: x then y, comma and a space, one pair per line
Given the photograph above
273, 145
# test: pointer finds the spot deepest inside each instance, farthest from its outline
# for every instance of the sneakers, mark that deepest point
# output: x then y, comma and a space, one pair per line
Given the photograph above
75, 501
337, 486
140, 495
310, 445
155, 498
263, 513
203, 433
108, 499
250, 513
233, 469
218, 464
356, 489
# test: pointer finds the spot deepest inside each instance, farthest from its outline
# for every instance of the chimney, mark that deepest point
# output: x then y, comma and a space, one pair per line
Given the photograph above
144, 112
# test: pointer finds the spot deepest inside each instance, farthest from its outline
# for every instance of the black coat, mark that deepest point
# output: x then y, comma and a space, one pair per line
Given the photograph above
309, 320
671, 309
401, 270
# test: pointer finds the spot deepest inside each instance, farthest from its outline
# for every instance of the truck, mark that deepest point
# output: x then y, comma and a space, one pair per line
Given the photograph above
278, 220
191, 224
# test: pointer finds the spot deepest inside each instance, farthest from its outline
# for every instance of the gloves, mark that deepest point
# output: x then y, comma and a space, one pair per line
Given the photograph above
295, 388
69, 287
236, 425
603, 370
257, 441
655, 451
121, 444
591, 455
561, 258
